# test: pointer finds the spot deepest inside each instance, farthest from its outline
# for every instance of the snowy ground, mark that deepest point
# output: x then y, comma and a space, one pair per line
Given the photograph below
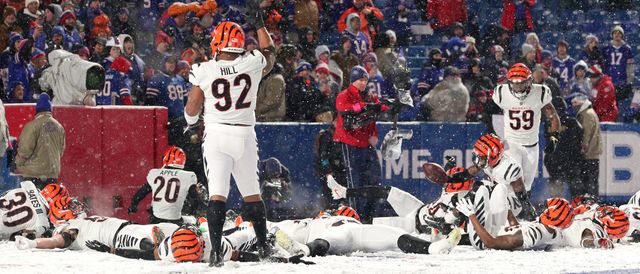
623, 259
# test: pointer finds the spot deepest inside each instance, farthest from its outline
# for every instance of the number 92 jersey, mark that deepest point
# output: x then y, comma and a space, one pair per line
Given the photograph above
23, 209
522, 118
230, 87
169, 189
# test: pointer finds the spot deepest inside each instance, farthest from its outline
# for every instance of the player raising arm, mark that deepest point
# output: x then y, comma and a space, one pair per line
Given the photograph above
227, 88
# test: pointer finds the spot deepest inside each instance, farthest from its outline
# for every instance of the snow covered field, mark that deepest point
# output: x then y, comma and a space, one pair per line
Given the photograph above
622, 259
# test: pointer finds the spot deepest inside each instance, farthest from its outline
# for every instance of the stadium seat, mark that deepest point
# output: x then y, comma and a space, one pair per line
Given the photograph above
416, 51
416, 62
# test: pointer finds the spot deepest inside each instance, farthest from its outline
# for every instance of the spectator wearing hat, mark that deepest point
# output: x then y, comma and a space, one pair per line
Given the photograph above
8, 26
516, 15
114, 48
68, 21
432, 72
138, 65
449, 99
328, 87
360, 41
17, 57
117, 86
175, 22
323, 55
40, 37
563, 66
29, 13
100, 27
357, 135
288, 57
37, 64
533, 40
400, 24
344, 57
169, 88
546, 61
377, 83
307, 44
89, 14
493, 63
121, 24
580, 81
306, 14
199, 40
58, 39
528, 57
271, 100
369, 16
304, 101
474, 79
40, 147
591, 146
541, 76
99, 50
51, 17
591, 53
83, 52
228, 13
604, 104
619, 64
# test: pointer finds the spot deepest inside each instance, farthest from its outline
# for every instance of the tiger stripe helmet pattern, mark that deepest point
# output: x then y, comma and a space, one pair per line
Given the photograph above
187, 244
455, 187
174, 157
488, 148
520, 79
227, 37
614, 220
558, 213
348, 212
54, 192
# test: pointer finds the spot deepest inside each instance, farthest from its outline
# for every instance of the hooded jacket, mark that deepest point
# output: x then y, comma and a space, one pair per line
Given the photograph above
605, 103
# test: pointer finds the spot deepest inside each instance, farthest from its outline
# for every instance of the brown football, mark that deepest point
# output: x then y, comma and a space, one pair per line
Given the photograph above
435, 173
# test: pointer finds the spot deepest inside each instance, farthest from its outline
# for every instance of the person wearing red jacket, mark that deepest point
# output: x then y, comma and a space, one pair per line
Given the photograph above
357, 135
516, 15
444, 13
604, 102
367, 13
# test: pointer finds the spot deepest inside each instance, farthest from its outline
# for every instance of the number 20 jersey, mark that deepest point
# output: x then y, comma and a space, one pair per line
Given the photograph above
230, 87
169, 189
522, 118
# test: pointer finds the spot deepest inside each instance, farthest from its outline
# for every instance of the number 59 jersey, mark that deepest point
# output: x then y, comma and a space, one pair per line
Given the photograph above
169, 189
230, 87
23, 209
522, 118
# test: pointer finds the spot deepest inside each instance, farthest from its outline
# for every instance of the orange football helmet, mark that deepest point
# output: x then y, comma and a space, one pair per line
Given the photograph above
457, 186
174, 157
487, 150
614, 220
559, 213
187, 244
520, 80
348, 212
54, 192
227, 37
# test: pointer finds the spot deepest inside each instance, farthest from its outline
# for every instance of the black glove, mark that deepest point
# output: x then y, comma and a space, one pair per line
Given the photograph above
451, 162
98, 246
254, 14
552, 143
459, 177
297, 259
132, 209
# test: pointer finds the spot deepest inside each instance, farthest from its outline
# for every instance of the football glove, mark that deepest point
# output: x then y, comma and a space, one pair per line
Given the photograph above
466, 207
552, 143
23, 243
337, 191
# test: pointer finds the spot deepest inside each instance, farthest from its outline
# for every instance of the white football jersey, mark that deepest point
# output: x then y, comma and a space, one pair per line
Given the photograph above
95, 228
230, 87
522, 118
505, 172
169, 189
306, 230
573, 234
534, 235
23, 209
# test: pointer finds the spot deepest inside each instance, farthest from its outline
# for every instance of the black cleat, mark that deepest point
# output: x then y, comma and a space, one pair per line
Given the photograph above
215, 259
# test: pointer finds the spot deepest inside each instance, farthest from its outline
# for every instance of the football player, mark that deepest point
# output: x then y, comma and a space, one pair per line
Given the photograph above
226, 87
171, 186
23, 211
523, 104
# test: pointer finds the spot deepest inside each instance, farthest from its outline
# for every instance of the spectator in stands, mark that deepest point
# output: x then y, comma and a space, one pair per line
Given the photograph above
38, 63
323, 56
36, 32
304, 101
400, 24
331, 11
377, 83
51, 17
306, 15
308, 44
17, 57
344, 57
90, 13
99, 51
495, 62
58, 39
472, 51
619, 64
8, 26
476, 106
516, 15
270, 101
199, 41
432, 72
580, 80
101, 27
541, 76
591, 146
288, 58
328, 87
604, 104
496, 35
533, 40
592, 54
361, 42
442, 14
83, 52
454, 52
163, 45
546, 61
174, 24
16, 93
228, 13
114, 48
392, 66
449, 99
136, 74
41, 146
164, 90
117, 86
68, 20
121, 24
528, 57
29, 13
563, 66
370, 18
474, 79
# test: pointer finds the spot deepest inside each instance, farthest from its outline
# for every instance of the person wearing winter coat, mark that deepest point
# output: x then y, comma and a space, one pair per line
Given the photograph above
604, 103
449, 100
271, 101
580, 81
591, 146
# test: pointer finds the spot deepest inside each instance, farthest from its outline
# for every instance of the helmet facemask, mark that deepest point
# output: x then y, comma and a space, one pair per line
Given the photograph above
521, 88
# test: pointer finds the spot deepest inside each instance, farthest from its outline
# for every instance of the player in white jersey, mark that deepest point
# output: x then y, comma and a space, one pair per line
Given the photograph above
76, 233
170, 186
586, 233
523, 104
227, 87
23, 211
531, 235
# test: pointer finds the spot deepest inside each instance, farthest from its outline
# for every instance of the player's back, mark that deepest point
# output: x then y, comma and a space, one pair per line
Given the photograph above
95, 228
230, 87
170, 188
534, 235
573, 234
522, 117
23, 209
505, 172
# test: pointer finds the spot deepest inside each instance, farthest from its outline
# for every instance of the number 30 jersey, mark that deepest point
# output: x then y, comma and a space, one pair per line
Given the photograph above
169, 189
230, 87
23, 209
522, 118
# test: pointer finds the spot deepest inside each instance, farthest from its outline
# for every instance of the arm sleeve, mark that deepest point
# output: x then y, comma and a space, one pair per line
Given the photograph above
142, 192
136, 254
27, 144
